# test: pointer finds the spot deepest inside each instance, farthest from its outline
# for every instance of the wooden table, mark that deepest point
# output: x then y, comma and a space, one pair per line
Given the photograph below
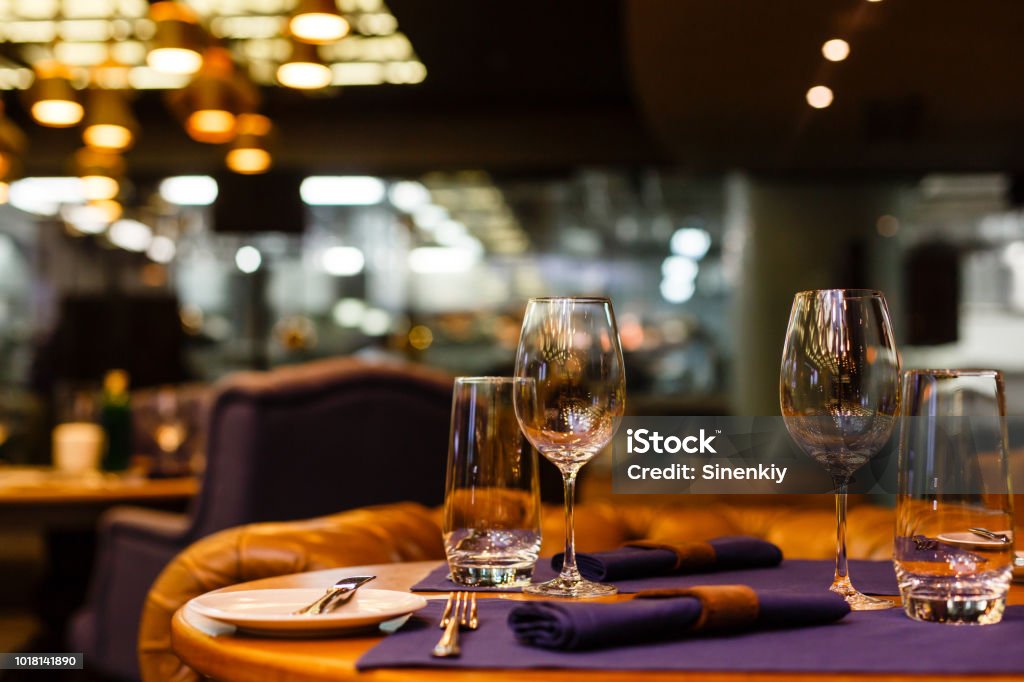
242, 658
63, 511
41, 498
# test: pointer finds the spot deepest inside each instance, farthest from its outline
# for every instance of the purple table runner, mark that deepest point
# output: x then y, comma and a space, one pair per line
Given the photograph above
863, 642
792, 575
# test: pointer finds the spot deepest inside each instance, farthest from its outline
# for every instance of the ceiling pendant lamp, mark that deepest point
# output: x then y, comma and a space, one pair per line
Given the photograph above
54, 101
99, 171
177, 41
249, 154
318, 21
214, 98
304, 70
109, 123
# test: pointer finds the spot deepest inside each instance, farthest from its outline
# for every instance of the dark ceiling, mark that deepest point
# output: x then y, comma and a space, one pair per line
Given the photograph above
929, 84
702, 84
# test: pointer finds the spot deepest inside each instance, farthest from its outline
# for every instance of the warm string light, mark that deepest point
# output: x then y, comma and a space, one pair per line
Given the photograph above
109, 123
318, 21
99, 171
835, 50
107, 136
248, 160
214, 98
249, 154
216, 105
820, 96
177, 41
177, 45
304, 70
54, 102
215, 126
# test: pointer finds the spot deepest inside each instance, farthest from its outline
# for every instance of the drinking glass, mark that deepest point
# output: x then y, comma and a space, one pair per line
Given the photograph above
954, 515
169, 430
492, 493
570, 410
839, 392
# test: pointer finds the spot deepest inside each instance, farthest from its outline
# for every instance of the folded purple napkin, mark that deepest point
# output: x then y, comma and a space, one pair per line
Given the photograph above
657, 615
644, 559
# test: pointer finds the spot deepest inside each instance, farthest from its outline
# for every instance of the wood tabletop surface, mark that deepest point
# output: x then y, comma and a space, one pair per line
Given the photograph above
240, 658
34, 486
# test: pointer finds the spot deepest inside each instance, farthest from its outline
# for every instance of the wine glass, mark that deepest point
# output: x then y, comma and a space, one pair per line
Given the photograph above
570, 410
839, 391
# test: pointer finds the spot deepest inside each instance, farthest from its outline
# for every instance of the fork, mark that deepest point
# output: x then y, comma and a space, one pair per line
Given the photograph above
460, 610
996, 537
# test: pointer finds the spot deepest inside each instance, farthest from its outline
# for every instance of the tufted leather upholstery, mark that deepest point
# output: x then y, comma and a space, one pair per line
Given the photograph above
411, 532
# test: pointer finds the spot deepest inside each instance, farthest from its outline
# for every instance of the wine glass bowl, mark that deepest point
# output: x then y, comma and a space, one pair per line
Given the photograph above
839, 394
571, 431
569, 348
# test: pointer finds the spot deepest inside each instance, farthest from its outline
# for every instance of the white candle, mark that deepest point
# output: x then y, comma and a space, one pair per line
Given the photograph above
77, 447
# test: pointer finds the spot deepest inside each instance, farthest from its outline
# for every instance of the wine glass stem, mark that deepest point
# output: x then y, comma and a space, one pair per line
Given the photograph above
569, 571
841, 582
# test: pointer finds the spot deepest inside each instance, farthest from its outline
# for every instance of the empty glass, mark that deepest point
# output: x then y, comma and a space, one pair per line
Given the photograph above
839, 393
569, 348
954, 516
492, 495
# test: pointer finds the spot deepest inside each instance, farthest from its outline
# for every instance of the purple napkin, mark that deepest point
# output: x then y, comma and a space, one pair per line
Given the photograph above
580, 626
861, 644
639, 561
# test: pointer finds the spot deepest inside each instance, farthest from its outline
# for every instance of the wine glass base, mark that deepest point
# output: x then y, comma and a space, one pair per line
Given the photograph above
581, 589
859, 601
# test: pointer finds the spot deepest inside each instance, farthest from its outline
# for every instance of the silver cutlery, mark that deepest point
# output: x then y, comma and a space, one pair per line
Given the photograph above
336, 595
986, 533
459, 611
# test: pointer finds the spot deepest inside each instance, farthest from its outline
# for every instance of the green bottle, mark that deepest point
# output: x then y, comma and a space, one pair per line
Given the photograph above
116, 420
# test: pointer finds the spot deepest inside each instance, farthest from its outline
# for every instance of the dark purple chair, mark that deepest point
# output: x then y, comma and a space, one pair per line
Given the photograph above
293, 443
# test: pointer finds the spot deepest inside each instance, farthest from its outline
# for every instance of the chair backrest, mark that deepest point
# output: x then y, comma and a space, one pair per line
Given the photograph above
322, 437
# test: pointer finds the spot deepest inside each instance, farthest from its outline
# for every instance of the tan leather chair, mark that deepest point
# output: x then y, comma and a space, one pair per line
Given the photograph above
411, 532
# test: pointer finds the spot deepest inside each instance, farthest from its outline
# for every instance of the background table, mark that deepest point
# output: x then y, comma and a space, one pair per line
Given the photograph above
46, 499
239, 657
63, 510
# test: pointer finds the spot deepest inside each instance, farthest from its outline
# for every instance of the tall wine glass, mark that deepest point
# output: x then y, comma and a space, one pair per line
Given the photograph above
840, 397
570, 410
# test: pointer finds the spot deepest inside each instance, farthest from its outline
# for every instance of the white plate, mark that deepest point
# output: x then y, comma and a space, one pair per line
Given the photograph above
271, 611
968, 538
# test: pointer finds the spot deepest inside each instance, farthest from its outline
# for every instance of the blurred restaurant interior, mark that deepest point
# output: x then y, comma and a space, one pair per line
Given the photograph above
403, 191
